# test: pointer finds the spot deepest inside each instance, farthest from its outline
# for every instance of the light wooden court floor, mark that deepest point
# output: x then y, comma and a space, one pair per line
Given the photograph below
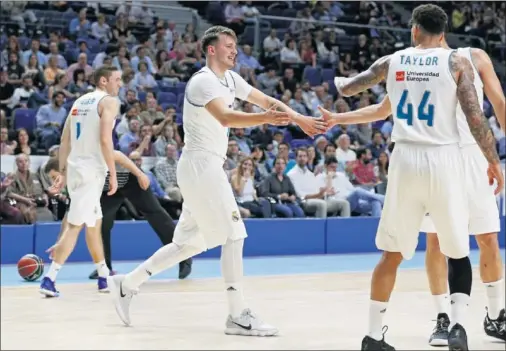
312, 311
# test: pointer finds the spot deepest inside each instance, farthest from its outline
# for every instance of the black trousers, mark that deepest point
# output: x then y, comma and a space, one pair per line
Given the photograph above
145, 202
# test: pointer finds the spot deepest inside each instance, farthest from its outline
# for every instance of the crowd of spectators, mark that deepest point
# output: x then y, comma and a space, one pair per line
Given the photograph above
273, 171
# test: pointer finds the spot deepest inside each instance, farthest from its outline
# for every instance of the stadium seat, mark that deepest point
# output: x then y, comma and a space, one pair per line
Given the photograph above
312, 75
141, 95
328, 74
296, 143
180, 87
165, 97
25, 118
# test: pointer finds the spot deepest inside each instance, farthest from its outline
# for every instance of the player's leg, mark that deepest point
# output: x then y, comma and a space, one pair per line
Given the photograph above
484, 224
448, 208
437, 274
397, 237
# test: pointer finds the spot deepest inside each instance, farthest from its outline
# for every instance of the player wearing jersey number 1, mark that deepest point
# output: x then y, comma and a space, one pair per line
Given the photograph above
86, 154
484, 214
425, 85
210, 214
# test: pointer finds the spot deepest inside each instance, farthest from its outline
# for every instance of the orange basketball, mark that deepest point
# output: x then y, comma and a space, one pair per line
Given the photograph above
30, 267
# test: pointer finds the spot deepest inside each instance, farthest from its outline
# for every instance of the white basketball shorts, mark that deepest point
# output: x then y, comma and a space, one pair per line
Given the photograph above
425, 179
85, 189
483, 209
210, 214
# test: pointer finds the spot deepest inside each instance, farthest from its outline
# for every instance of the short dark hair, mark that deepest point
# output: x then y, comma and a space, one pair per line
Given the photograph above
103, 71
431, 18
213, 34
330, 160
301, 149
361, 151
52, 165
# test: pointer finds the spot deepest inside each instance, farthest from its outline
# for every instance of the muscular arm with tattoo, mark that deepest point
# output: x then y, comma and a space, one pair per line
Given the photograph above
365, 80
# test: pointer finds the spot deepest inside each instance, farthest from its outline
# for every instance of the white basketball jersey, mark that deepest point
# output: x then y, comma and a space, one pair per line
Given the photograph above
85, 132
423, 97
466, 138
203, 132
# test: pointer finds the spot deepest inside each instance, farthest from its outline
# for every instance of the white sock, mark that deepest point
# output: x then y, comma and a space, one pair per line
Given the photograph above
102, 269
442, 303
495, 298
53, 271
166, 257
377, 311
459, 307
232, 271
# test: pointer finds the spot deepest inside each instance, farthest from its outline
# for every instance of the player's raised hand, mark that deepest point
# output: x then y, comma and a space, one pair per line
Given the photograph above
494, 172
277, 118
311, 126
143, 180
327, 116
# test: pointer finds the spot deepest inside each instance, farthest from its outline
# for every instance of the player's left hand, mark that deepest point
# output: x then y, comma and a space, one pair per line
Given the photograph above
53, 248
328, 117
494, 172
277, 118
58, 184
143, 180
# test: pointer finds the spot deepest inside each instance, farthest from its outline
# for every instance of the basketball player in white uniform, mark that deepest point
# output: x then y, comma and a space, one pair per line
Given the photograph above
484, 214
86, 154
425, 85
210, 215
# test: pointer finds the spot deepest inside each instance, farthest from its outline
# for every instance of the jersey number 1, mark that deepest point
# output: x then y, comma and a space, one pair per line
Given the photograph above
78, 130
422, 116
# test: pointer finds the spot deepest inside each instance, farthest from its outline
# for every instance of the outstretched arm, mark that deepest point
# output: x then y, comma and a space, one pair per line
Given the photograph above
462, 71
365, 80
367, 114
491, 85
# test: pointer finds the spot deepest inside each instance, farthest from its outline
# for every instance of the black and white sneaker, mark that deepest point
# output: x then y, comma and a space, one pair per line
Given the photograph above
496, 328
439, 336
370, 344
457, 339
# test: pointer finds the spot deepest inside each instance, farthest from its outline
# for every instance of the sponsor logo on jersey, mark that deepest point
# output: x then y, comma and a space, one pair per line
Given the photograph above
400, 76
75, 112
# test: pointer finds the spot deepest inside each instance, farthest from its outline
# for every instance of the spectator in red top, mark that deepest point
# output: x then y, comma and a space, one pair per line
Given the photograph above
363, 169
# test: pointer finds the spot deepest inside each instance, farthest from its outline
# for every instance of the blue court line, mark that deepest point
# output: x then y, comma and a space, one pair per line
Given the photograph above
257, 266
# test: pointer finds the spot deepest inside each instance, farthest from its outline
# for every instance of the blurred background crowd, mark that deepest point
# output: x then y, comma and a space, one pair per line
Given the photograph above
291, 50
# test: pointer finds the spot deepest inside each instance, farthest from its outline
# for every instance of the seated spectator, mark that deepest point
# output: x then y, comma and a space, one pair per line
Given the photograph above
243, 142
9, 213
260, 166
344, 154
360, 200
382, 172
79, 86
152, 114
297, 103
142, 57
60, 85
165, 172
80, 26
245, 193
52, 70
249, 11
101, 30
246, 59
363, 170
165, 138
7, 146
55, 52
234, 17
21, 95
27, 191
268, 81
23, 145
172, 207
6, 89
50, 119
35, 50
283, 152
82, 63
143, 80
279, 189
233, 155
288, 82
329, 151
271, 47
34, 70
289, 54
15, 70
377, 145
129, 137
312, 194
143, 144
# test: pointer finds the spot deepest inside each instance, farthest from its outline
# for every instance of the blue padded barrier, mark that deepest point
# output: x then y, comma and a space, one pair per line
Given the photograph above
16, 241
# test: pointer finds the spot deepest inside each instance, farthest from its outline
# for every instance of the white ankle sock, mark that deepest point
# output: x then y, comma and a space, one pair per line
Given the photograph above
166, 257
495, 298
377, 311
442, 303
459, 307
232, 271
102, 269
53, 271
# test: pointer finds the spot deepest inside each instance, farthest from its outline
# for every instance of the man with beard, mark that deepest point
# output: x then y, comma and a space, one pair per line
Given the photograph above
50, 120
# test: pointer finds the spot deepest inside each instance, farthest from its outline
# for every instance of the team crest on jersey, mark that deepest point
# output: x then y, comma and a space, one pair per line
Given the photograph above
236, 217
400, 76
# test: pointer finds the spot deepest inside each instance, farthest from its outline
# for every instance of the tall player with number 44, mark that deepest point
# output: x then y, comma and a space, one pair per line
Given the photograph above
86, 154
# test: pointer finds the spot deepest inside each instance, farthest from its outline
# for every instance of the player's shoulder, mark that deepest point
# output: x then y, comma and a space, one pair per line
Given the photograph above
202, 76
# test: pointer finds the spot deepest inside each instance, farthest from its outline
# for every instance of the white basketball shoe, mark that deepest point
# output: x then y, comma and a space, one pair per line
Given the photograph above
247, 324
122, 297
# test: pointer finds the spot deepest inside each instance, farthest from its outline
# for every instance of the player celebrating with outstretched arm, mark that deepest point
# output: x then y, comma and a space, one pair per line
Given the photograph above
425, 84
484, 213
86, 153
210, 214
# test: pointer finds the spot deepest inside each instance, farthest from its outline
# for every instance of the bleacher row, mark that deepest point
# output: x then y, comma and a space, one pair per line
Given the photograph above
136, 240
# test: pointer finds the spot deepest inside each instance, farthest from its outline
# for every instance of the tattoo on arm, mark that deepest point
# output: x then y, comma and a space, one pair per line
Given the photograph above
468, 98
367, 79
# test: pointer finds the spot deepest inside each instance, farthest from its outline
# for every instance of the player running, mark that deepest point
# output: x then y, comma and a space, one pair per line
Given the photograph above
86, 153
425, 85
210, 215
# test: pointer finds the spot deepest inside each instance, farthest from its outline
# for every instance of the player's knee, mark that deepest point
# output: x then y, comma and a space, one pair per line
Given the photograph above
488, 243
391, 259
